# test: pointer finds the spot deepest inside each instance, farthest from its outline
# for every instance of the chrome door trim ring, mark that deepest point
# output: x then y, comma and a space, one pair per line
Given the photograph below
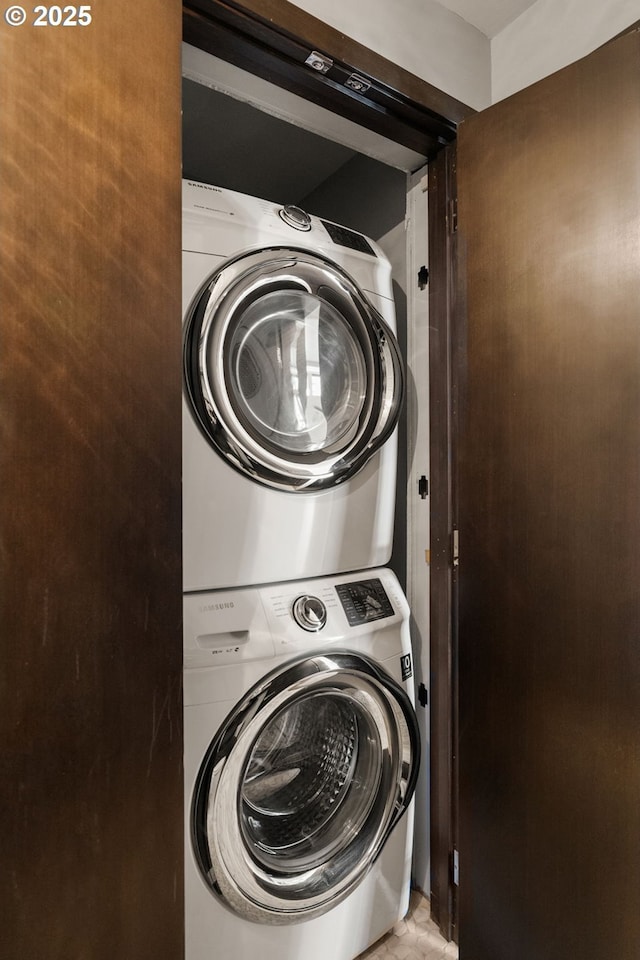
207, 325
221, 854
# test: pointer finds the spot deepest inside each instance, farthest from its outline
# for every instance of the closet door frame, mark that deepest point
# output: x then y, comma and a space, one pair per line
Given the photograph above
272, 40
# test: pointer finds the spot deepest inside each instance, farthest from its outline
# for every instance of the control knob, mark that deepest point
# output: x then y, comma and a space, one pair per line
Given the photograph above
309, 613
295, 217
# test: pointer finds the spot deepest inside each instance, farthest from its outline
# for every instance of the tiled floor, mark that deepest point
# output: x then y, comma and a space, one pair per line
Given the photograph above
414, 938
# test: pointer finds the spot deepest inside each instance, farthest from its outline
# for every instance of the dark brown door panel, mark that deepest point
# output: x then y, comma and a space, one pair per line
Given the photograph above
549, 505
90, 596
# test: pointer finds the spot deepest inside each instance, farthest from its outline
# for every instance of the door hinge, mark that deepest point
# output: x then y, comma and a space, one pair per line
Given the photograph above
318, 61
423, 695
357, 83
455, 548
423, 487
455, 868
453, 215
423, 277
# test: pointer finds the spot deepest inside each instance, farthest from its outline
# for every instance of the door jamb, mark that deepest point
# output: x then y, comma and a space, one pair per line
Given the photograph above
443, 555
274, 39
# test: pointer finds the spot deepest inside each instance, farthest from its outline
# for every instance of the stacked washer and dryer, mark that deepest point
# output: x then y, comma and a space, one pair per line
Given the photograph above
301, 741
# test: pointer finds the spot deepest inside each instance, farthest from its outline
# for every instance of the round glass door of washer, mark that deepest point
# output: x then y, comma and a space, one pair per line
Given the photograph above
302, 785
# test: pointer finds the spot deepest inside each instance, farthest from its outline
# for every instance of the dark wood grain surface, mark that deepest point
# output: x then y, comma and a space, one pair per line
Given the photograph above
549, 206
90, 600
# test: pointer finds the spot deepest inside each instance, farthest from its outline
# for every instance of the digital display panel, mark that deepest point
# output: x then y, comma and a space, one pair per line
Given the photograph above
347, 238
364, 601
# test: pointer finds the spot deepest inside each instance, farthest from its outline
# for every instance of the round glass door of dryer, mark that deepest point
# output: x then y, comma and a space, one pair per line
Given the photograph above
296, 374
291, 373
302, 786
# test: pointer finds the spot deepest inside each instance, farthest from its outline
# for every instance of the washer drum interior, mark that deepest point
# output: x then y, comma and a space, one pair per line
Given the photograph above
302, 786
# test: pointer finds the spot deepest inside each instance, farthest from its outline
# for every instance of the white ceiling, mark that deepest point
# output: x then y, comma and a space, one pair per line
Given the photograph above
489, 16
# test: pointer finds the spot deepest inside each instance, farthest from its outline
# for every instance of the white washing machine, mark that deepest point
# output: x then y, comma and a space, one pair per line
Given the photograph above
293, 383
301, 756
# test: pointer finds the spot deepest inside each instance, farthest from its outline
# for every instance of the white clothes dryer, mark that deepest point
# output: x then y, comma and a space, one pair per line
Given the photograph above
293, 383
301, 757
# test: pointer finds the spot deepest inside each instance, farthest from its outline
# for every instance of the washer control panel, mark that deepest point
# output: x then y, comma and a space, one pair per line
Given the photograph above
350, 609
364, 601
310, 613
